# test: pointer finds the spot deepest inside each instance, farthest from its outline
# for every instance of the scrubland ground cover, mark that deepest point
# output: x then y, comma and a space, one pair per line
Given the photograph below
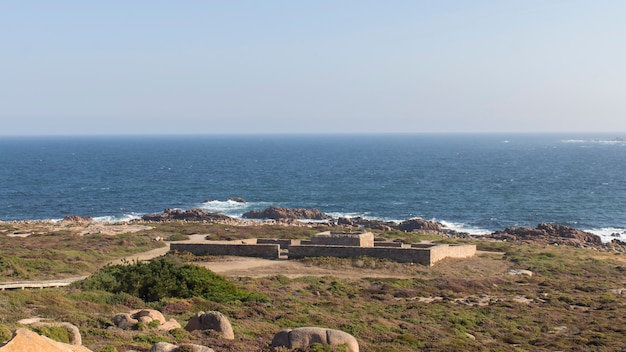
572, 302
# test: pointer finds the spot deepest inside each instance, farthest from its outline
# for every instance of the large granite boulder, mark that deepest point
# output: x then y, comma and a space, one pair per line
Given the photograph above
277, 213
194, 214
420, 225
26, 340
549, 234
307, 336
124, 321
211, 320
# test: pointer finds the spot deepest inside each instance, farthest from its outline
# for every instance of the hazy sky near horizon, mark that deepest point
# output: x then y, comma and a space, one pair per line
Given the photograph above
202, 67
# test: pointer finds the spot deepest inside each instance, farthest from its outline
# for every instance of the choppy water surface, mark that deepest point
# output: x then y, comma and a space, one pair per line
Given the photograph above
475, 183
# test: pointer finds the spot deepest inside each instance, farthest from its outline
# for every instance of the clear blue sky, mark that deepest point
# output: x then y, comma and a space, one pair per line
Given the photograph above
177, 67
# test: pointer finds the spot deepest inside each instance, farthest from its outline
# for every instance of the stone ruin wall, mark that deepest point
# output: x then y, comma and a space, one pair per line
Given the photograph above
442, 251
270, 251
329, 238
390, 244
284, 243
403, 255
426, 255
421, 253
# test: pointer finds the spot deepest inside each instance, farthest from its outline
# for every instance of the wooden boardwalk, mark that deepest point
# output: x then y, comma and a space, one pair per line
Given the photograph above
21, 285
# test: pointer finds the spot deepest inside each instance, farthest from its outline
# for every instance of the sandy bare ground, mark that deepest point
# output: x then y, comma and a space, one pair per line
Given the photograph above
256, 267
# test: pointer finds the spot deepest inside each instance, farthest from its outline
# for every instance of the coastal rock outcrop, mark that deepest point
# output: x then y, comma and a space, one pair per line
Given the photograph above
420, 224
306, 336
73, 331
548, 234
76, 218
26, 340
366, 223
194, 214
277, 213
211, 320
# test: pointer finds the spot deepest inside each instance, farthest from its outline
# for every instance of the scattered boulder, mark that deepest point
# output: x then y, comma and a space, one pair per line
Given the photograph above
129, 320
26, 340
211, 320
169, 325
147, 315
306, 336
188, 347
195, 214
277, 213
124, 321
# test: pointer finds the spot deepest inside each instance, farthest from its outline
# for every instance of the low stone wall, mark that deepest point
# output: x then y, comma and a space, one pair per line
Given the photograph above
390, 244
403, 255
425, 256
270, 251
451, 251
284, 243
329, 238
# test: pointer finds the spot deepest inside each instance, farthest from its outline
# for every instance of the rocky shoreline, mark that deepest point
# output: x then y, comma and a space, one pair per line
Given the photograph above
543, 234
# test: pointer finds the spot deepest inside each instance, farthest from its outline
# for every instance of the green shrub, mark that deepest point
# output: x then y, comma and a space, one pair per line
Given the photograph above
56, 333
179, 334
109, 349
5, 333
178, 237
162, 278
154, 324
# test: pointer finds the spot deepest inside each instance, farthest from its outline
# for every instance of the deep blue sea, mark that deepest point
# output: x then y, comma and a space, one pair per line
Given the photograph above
473, 183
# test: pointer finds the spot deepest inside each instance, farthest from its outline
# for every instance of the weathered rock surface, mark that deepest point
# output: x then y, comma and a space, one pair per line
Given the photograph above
124, 321
277, 213
306, 336
194, 214
211, 320
420, 224
366, 223
26, 340
76, 218
169, 325
188, 347
128, 320
74, 332
548, 234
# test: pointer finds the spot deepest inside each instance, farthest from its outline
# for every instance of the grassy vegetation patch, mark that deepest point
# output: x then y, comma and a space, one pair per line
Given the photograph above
162, 278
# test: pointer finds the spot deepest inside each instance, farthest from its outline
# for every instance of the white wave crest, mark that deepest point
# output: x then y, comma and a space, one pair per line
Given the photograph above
462, 227
116, 219
609, 233
231, 207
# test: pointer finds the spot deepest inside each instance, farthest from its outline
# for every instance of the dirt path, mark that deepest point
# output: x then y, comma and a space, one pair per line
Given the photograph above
143, 255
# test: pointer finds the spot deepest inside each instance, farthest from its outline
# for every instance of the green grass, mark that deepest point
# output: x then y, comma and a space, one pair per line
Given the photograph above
63, 254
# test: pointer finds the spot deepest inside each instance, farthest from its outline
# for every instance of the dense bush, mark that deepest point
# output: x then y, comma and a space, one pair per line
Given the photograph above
162, 278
